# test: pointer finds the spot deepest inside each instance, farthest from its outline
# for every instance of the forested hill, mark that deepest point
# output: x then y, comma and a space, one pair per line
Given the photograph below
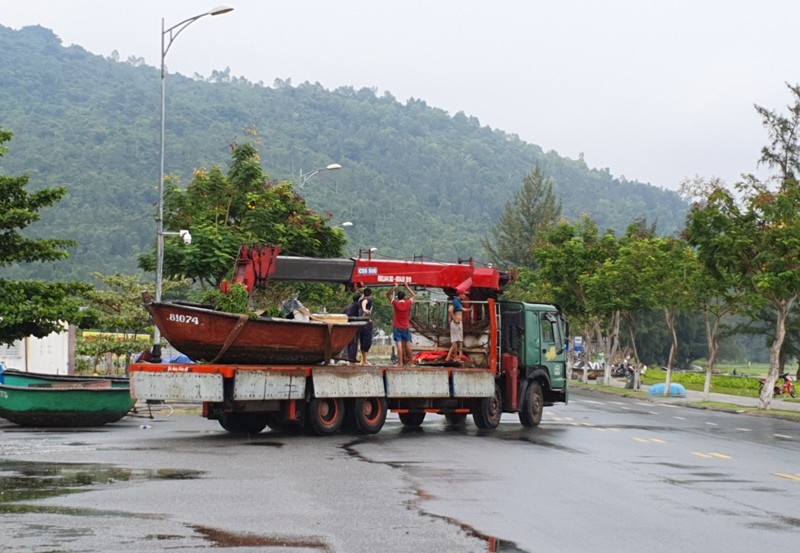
415, 179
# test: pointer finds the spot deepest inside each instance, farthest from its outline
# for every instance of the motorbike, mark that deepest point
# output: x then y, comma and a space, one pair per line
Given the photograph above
786, 388
623, 369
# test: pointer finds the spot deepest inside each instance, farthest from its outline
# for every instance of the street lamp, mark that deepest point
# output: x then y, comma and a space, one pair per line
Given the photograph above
168, 36
305, 176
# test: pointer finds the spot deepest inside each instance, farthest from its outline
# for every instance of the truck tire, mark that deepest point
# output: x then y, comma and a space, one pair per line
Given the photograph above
489, 410
412, 419
325, 415
530, 414
369, 414
455, 419
244, 423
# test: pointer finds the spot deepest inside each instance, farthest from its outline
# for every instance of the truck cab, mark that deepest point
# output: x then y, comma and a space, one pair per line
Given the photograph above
535, 336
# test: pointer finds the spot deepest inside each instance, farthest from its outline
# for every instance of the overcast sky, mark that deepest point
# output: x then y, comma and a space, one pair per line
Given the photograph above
654, 90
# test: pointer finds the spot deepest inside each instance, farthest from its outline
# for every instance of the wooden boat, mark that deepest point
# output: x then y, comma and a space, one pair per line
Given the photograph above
35, 399
219, 337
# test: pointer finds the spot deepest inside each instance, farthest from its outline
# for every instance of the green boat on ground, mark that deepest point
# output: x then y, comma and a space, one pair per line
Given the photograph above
35, 399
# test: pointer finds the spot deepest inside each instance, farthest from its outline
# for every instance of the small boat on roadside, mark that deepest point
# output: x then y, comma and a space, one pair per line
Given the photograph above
212, 336
36, 399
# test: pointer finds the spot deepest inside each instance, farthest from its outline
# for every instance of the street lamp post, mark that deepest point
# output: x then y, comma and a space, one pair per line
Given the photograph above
305, 176
168, 36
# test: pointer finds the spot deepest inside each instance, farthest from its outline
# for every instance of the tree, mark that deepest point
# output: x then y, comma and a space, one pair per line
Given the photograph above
566, 256
716, 297
533, 208
119, 315
652, 272
31, 308
753, 241
224, 211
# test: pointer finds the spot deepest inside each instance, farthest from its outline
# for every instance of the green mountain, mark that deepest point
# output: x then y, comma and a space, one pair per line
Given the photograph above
415, 179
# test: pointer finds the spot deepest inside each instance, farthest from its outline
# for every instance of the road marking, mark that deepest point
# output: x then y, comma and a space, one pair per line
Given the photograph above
709, 423
626, 408
744, 430
649, 440
789, 476
587, 424
657, 440
653, 412
710, 455
680, 418
783, 436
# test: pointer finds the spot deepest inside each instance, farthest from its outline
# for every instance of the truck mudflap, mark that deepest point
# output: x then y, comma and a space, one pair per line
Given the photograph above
177, 386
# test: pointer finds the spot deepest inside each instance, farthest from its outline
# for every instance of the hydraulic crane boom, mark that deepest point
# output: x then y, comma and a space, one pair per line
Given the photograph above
257, 265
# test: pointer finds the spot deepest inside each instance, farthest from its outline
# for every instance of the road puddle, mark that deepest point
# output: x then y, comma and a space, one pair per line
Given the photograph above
26, 480
223, 538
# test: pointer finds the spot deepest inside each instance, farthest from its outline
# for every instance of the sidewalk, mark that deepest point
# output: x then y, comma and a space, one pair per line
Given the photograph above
778, 404
692, 396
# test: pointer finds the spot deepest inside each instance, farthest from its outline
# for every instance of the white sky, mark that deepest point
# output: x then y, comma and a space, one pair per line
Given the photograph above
655, 90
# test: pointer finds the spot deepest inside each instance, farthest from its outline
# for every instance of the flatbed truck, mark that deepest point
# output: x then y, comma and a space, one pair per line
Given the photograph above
516, 362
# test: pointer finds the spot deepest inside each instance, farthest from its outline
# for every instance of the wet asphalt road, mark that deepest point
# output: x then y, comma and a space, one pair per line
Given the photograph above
601, 474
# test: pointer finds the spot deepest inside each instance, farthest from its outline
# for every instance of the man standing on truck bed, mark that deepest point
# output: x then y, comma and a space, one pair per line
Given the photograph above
401, 323
365, 334
455, 313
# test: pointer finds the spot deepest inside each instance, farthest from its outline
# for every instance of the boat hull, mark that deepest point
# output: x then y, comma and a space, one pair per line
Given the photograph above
44, 401
219, 337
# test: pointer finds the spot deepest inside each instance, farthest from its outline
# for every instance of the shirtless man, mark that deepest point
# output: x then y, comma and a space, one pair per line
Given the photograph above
455, 314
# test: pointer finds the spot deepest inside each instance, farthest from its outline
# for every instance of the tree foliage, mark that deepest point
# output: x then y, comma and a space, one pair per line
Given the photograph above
224, 211
533, 209
752, 240
31, 308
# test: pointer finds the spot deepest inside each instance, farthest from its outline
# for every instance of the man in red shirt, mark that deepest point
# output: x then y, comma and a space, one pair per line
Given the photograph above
401, 323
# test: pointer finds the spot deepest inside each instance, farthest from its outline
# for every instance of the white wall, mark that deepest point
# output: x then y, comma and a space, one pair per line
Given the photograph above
48, 355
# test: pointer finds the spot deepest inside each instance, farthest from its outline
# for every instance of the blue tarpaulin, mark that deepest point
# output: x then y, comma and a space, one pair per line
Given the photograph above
677, 390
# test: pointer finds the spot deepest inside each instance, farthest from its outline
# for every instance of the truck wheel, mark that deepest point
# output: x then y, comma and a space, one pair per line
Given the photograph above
369, 414
489, 410
325, 415
455, 419
412, 419
530, 414
243, 423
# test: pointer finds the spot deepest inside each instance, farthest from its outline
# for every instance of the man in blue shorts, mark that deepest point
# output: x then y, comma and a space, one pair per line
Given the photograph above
401, 322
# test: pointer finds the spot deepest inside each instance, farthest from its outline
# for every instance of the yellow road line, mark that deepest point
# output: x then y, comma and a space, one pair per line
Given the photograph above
789, 476
710, 455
